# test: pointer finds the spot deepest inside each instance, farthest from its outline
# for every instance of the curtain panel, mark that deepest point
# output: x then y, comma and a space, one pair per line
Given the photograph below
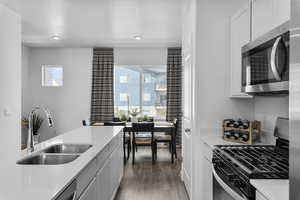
102, 100
174, 88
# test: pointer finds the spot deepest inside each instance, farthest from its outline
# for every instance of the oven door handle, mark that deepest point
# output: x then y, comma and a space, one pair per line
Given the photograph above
230, 191
273, 59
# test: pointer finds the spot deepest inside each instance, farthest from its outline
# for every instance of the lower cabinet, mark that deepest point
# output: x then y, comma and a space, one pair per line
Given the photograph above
103, 184
109, 177
206, 176
90, 193
260, 196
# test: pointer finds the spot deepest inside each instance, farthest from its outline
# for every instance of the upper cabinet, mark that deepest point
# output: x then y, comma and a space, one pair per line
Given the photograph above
268, 14
253, 20
240, 33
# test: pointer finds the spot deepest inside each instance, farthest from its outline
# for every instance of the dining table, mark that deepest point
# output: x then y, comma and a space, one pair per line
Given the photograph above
162, 126
159, 127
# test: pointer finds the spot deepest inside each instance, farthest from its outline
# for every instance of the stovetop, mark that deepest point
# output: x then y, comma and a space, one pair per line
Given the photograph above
256, 161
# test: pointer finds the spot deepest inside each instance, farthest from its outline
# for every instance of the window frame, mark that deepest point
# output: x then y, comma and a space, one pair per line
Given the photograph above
44, 67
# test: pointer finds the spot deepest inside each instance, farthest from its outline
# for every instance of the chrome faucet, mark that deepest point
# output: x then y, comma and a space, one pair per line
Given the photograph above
30, 144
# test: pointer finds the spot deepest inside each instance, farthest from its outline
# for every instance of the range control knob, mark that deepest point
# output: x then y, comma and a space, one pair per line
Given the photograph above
239, 183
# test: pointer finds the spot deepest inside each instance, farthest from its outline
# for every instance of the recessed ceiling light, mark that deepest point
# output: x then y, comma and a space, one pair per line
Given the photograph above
137, 37
56, 37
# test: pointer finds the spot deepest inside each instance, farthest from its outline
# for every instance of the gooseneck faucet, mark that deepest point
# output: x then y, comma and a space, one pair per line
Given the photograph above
30, 144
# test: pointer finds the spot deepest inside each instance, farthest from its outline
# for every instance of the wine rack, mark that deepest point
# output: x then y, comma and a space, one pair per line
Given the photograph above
245, 132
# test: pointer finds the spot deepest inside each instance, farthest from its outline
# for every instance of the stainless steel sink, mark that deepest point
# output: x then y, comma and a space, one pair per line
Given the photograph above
48, 159
67, 148
56, 154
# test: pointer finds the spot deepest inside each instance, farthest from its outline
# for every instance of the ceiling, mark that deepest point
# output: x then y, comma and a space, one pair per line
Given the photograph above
85, 23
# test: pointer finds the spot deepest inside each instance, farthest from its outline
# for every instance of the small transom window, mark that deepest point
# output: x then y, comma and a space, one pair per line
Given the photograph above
52, 76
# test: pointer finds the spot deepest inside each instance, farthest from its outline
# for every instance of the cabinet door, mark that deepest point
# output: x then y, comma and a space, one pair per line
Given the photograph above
240, 35
260, 196
282, 11
104, 183
262, 17
208, 177
90, 193
108, 178
205, 177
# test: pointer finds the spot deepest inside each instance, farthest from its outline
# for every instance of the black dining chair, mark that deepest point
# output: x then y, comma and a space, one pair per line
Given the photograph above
143, 135
126, 138
167, 138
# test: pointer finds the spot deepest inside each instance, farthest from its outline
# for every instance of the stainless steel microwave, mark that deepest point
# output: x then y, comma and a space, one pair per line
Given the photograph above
265, 63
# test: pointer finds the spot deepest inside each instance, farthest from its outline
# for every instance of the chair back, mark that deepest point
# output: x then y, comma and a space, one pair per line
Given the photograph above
143, 127
175, 122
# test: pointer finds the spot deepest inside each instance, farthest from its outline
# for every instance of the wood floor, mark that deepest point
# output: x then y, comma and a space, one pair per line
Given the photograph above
144, 181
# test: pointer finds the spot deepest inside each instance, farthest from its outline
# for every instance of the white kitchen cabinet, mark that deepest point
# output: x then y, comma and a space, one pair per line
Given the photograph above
282, 11
260, 196
268, 14
85, 176
262, 17
206, 182
90, 193
110, 175
240, 34
103, 183
100, 179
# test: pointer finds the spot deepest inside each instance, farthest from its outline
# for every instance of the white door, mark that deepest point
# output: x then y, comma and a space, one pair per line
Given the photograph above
187, 115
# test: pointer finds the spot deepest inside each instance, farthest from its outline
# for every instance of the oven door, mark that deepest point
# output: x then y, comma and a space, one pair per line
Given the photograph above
222, 191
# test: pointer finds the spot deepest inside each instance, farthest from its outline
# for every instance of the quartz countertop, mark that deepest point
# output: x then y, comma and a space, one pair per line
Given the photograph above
272, 189
45, 182
212, 137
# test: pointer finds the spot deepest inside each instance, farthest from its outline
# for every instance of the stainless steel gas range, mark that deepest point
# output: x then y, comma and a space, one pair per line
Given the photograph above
235, 165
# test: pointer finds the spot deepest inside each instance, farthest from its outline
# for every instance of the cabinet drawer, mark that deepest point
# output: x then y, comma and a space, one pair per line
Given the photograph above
86, 176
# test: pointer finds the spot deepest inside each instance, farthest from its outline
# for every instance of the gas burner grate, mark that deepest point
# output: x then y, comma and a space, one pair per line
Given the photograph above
258, 161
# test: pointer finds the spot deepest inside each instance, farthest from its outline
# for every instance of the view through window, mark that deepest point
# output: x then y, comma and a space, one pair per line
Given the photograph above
143, 88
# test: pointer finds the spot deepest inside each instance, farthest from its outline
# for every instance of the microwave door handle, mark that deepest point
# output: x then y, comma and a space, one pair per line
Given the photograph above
273, 59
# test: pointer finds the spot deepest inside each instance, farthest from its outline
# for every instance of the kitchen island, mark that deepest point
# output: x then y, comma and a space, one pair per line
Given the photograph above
91, 170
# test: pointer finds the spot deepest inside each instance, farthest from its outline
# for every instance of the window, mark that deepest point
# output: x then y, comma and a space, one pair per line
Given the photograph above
124, 79
146, 90
147, 97
52, 76
147, 78
123, 96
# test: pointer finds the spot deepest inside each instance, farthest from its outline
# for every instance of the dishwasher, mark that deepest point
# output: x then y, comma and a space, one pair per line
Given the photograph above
69, 193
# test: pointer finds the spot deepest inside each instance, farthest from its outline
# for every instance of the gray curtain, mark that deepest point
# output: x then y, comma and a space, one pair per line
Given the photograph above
102, 101
174, 88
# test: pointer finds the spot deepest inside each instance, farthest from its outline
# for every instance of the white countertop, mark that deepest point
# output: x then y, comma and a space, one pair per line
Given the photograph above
213, 137
272, 189
44, 182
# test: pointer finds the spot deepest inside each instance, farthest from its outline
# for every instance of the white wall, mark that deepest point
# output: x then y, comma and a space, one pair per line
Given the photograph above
10, 86
213, 65
266, 110
69, 104
26, 92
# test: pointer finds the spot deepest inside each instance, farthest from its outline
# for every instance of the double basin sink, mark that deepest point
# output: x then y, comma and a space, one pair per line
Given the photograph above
55, 155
